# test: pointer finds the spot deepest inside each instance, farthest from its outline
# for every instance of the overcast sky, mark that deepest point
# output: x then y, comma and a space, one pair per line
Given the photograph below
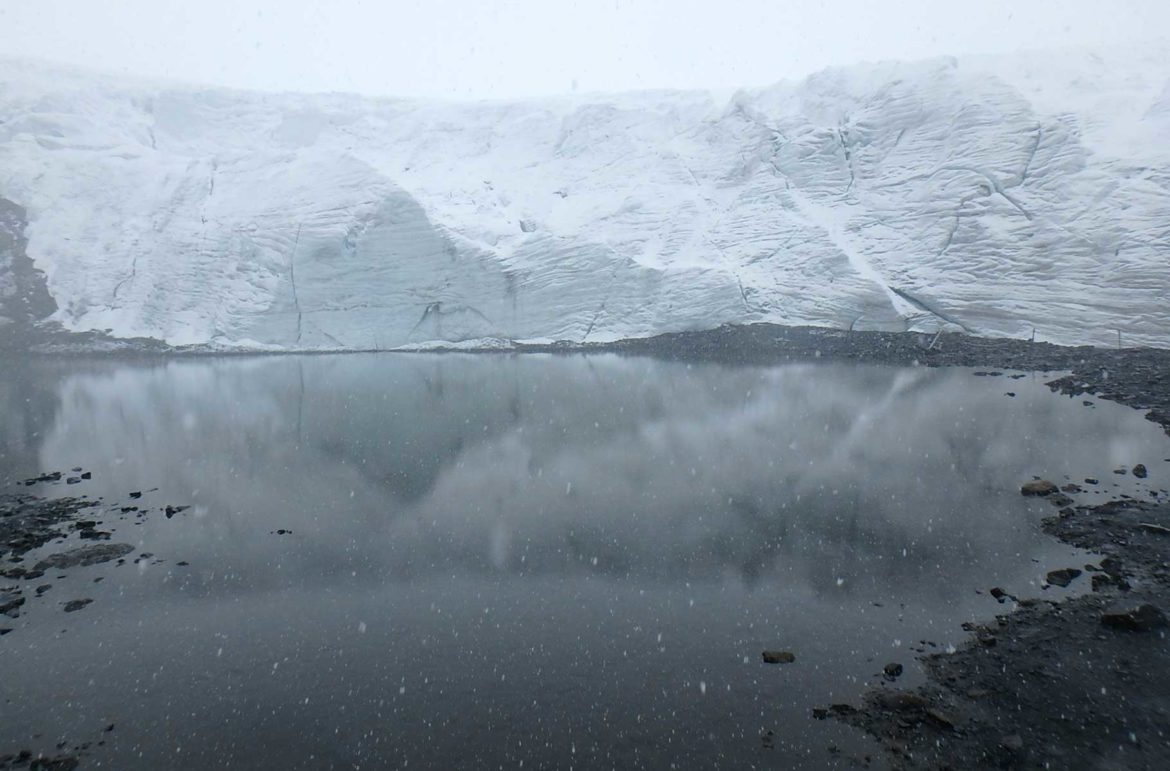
470, 49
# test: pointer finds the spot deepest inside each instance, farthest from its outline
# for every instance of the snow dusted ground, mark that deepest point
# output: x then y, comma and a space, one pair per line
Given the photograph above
993, 195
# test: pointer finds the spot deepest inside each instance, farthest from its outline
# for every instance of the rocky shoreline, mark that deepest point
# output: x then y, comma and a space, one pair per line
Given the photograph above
1083, 683
74, 524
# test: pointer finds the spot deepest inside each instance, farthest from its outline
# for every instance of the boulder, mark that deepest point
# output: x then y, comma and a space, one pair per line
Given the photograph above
1140, 618
779, 657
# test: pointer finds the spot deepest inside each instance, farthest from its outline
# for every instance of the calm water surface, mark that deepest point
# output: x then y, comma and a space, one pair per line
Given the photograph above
499, 561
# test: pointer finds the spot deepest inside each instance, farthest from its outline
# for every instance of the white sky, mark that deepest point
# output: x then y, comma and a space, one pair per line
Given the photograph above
508, 48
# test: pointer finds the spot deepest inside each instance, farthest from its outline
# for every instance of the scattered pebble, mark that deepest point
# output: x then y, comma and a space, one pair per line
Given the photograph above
1062, 577
779, 657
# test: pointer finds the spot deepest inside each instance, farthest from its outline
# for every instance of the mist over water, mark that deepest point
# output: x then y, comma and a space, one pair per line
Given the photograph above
572, 561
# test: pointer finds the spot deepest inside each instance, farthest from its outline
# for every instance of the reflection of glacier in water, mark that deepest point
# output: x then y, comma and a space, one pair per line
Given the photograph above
504, 558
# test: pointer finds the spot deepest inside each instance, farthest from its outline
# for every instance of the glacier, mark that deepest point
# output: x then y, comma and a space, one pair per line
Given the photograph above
1001, 196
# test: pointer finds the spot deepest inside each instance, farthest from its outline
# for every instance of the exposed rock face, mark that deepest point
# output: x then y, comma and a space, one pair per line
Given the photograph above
994, 196
24, 296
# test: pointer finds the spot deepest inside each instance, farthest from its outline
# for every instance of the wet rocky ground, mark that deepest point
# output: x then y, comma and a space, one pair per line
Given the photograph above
73, 531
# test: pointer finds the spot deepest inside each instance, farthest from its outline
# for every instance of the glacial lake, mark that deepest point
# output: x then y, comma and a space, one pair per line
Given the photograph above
497, 561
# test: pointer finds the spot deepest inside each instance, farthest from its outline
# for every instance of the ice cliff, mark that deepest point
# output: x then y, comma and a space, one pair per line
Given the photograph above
991, 195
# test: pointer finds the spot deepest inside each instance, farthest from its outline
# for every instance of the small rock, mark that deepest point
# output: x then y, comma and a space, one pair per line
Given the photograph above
87, 475
998, 593
73, 480
5, 630
941, 719
1062, 577
136, 494
75, 605
1092, 481
43, 588
10, 605
1120, 471
900, 701
1015, 742
1060, 500
1010, 393
1143, 618
1100, 581
1140, 472
779, 657
1039, 487
986, 638
893, 670
1087, 403
1071, 487
1112, 566
63, 763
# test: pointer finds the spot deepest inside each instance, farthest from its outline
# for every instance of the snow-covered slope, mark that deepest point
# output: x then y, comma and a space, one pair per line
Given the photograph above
992, 195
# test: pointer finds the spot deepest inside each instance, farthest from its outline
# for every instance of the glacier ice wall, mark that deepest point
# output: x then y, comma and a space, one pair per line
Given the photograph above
992, 195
